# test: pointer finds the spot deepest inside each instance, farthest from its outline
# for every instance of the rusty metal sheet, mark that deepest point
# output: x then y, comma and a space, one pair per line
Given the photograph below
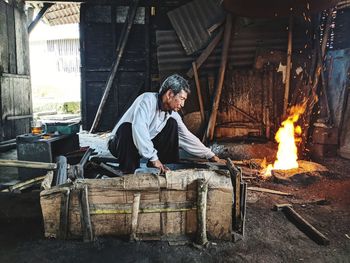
276, 8
193, 22
268, 34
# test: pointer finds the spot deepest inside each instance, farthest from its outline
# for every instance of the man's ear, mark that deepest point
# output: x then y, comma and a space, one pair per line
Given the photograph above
169, 93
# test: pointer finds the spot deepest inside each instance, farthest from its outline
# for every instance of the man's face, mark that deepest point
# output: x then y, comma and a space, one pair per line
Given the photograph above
175, 102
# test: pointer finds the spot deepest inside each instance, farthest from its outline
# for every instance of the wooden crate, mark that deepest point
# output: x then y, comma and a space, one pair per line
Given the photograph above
167, 206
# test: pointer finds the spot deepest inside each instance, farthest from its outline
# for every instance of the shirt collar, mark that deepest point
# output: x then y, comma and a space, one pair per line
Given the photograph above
160, 104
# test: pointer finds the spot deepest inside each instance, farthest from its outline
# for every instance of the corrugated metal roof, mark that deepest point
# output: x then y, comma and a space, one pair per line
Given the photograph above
60, 14
192, 21
343, 4
270, 35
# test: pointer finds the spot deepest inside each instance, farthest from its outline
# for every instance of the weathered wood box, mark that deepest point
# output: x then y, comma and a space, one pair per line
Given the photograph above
167, 208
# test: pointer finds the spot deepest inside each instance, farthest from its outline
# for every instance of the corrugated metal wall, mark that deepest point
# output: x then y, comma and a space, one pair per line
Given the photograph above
15, 86
245, 43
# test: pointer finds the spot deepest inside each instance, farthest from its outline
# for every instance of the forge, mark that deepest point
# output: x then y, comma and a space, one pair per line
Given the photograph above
307, 173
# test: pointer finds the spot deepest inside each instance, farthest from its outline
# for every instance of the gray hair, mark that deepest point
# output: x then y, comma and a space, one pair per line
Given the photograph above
176, 83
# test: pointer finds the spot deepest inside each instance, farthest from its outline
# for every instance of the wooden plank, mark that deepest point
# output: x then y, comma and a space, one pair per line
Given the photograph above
236, 184
82, 40
26, 184
11, 38
269, 191
173, 223
64, 210
289, 65
206, 53
303, 225
213, 116
199, 92
22, 42
4, 52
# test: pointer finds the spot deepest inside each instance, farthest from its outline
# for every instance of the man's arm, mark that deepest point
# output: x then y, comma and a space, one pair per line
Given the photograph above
191, 144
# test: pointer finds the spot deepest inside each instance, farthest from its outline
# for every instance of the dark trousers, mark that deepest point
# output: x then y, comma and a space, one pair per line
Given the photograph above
166, 143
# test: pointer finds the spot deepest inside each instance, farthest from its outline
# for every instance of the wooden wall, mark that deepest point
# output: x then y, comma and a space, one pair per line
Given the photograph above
100, 27
16, 103
100, 30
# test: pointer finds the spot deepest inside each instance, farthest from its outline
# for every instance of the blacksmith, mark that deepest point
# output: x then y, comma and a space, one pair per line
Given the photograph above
152, 128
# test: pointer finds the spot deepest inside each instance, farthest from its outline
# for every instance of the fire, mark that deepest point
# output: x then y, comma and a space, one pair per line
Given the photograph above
287, 154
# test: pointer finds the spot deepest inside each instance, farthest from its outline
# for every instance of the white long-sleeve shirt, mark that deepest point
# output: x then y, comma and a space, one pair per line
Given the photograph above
147, 120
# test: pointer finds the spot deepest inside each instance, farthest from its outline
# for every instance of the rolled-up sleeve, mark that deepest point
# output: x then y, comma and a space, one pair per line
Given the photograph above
140, 131
189, 142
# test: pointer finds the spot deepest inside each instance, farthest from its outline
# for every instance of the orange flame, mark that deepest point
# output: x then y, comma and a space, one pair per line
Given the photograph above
287, 154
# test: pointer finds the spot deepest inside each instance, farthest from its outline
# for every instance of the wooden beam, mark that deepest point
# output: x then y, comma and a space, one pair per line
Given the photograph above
236, 184
202, 193
224, 55
199, 92
289, 65
28, 164
269, 191
120, 50
206, 53
39, 16
302, 224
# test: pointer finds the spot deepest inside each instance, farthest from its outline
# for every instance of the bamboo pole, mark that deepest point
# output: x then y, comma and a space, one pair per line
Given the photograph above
289, 65
199, 92
202, 194
120, 50
28, 164
224, 55
134, 216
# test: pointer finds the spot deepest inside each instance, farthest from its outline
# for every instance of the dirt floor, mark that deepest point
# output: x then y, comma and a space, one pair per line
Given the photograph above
270, 236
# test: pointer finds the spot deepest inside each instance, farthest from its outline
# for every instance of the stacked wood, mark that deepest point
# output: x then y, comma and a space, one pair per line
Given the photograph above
167, 207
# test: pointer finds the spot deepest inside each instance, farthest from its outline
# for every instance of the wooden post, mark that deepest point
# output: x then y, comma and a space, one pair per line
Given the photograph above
289, 65
61, 172
202, 193
134, 216
85, 215
36, 20
63, 227
236, 184
224, 55
206, 53
199, 92
120, 50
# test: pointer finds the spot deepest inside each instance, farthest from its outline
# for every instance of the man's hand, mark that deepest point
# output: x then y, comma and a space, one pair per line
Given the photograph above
160, 166
216, 159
